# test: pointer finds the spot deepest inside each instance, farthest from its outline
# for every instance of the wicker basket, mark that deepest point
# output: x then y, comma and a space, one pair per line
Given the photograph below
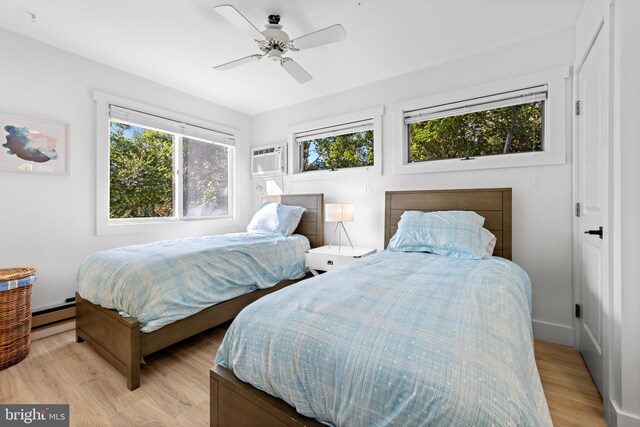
15, 318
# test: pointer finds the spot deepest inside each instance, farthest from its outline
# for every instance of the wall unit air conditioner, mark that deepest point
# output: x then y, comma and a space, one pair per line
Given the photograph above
268, 160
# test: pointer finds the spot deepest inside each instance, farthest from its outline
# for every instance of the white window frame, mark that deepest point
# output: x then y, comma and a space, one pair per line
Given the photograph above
106, 225
294, 155
555, 130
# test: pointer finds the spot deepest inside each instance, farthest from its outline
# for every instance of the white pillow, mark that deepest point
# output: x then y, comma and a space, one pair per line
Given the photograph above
275, 219
489, 243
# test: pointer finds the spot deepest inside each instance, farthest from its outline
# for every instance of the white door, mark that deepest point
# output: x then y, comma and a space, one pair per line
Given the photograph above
592, 196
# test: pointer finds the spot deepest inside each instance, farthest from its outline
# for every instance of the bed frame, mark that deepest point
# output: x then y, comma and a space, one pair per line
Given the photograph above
119, 339
236, 403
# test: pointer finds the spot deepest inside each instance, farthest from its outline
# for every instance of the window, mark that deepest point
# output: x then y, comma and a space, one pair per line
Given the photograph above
349, 145
205, 178
539, 136
345, 146
166, 170
511, 122
141, 172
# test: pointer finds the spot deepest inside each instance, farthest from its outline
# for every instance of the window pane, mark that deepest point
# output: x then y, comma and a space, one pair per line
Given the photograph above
141, 172
514, 129
205, 178
342, 151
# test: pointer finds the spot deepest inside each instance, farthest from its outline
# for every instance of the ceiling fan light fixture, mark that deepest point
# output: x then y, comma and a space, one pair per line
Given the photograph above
275, 55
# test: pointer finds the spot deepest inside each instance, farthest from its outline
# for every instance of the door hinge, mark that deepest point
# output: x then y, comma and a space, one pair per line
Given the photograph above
578, 311
578, 209
578, 107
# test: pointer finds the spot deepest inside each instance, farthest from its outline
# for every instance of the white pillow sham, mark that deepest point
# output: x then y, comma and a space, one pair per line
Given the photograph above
488, 242
275, 219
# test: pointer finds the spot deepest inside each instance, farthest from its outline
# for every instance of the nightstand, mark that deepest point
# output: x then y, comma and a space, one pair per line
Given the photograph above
327, 258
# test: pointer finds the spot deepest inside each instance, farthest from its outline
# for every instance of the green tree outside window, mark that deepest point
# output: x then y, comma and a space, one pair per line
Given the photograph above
205, 178
141, 172
338, 152
514, 129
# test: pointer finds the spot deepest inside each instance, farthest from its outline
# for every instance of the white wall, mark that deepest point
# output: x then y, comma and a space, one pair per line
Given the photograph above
541, 196
49, 222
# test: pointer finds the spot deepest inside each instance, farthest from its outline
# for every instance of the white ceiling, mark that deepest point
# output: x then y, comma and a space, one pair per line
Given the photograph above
177, 42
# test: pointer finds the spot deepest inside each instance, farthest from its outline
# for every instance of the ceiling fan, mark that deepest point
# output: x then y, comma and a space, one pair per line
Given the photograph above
274, 43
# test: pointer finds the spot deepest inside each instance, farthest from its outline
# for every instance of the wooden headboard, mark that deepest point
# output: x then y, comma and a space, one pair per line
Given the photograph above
494, 204
312, 222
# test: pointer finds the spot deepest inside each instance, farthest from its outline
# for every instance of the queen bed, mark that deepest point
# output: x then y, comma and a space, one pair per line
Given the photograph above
136, 300
396, 338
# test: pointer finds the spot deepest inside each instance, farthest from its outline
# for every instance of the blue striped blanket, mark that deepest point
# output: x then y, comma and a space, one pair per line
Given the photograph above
161, 282
17, 283
400, 339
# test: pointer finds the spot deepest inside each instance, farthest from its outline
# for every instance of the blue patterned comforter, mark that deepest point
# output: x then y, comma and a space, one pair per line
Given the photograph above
161, 282
400, 339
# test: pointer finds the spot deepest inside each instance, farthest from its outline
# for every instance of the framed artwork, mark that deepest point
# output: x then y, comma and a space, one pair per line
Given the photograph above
33, 145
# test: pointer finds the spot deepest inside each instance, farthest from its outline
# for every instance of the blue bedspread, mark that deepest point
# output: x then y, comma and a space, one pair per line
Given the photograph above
161, 282
400, 339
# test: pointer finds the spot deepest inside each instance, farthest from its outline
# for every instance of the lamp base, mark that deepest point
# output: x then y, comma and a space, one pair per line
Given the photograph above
339, 228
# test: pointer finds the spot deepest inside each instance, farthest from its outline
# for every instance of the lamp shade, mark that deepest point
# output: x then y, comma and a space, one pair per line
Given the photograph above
336, 212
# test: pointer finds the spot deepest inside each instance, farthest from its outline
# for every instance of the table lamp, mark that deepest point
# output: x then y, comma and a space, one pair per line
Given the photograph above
339, 212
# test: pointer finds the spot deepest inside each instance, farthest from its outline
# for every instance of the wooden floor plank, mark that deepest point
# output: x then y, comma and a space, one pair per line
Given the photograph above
571, 394
175, 383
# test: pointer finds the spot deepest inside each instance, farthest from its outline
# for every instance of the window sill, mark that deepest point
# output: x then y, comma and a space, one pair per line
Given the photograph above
515, 160
152, 225
324, 175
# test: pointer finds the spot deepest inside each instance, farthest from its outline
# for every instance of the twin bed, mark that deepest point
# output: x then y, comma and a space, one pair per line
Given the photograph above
396, 338
136, 300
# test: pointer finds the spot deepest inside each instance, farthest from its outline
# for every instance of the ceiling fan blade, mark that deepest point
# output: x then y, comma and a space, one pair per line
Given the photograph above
232, 15
332, 34
237, 62
295, 70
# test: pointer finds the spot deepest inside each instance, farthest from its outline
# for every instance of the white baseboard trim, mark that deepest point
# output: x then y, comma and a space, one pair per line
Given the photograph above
56, 329
623, 419
559, 334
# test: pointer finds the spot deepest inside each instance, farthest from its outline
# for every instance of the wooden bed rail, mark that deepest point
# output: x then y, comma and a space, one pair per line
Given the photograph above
112, 336
235, 403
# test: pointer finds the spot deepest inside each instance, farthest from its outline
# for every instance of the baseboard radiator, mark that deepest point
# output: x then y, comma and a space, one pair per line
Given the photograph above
53, 316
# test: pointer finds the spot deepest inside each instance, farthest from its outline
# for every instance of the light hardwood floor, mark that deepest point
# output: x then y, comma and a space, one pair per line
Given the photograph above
572, 395
175, 383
